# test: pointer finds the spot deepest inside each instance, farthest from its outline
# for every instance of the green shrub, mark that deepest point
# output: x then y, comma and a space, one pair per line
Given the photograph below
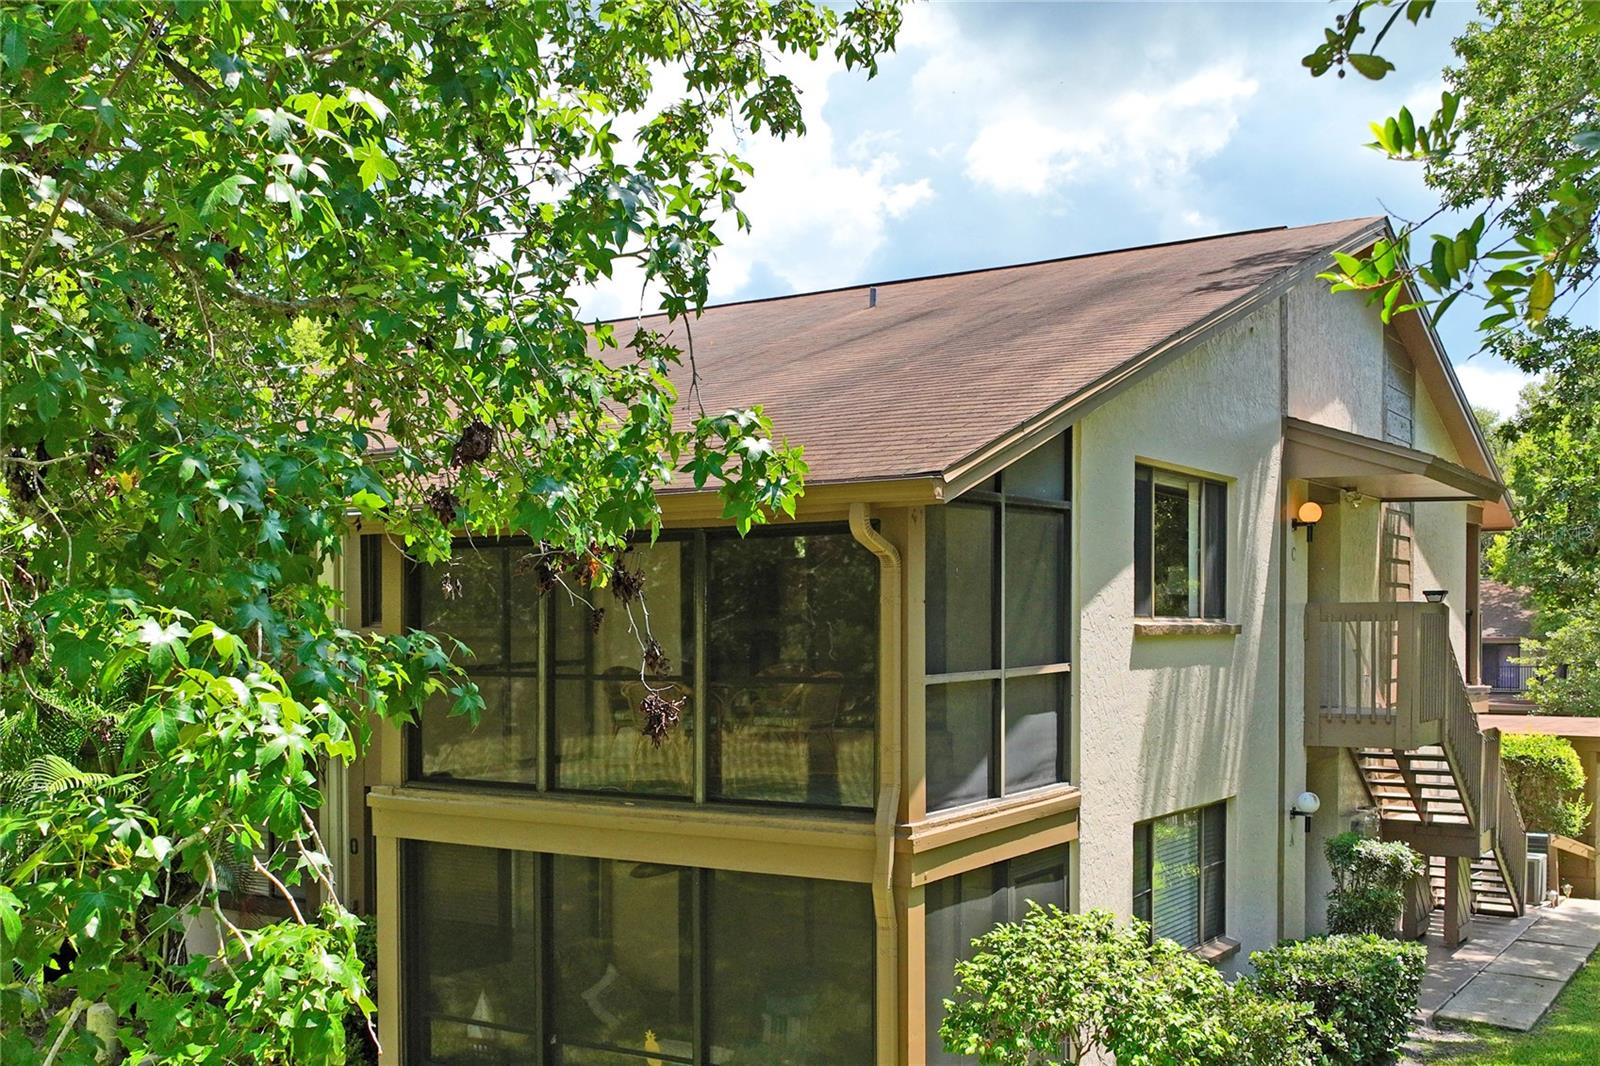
1055, 985
1266, 1031
1546, 776
1362, 989
1369, 883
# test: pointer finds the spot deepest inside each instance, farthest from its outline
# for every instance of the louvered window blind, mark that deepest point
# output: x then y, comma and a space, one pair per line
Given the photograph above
1180, 874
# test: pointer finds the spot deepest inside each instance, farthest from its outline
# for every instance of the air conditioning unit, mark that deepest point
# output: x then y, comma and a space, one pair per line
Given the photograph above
1538, 867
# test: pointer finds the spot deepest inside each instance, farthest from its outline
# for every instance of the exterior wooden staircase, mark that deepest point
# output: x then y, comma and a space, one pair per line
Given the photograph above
1382, 681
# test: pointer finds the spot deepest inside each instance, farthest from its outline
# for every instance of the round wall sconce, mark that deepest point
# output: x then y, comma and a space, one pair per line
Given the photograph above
1308, 514
1435, 595
1305, 805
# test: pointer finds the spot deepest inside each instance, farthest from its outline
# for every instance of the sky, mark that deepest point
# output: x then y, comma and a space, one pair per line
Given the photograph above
1009, 132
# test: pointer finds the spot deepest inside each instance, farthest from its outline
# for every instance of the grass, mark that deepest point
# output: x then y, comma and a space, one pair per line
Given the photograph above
1568, 1036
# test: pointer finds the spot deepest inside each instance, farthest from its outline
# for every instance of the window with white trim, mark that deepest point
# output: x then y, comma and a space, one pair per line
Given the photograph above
1180, 545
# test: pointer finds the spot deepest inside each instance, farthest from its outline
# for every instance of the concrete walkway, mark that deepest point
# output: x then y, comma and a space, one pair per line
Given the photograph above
1510, 969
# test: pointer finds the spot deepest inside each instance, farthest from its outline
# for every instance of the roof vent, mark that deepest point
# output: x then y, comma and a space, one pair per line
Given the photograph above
872, 296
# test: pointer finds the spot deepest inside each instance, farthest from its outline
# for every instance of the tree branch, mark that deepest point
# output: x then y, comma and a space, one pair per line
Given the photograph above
122, 221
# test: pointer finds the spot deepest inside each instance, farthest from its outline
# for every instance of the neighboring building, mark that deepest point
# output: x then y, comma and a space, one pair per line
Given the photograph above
1507, 622
1042, 629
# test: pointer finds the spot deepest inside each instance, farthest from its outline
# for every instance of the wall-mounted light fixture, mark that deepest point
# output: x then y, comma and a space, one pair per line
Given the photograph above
1305, 805
1435, 595
1308, 514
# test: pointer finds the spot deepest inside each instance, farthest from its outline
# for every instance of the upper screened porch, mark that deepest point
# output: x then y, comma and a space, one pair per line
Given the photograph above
772, 651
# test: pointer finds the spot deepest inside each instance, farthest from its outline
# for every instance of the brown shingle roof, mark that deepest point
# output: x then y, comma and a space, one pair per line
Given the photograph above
944, 366
1504, 611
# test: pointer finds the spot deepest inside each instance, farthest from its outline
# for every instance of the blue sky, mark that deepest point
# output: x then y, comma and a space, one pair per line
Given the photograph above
1002, 133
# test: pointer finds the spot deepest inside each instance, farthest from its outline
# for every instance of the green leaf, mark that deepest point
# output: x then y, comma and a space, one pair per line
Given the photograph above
376, 166
1540, 295
1369, 65
10, 915
226, 192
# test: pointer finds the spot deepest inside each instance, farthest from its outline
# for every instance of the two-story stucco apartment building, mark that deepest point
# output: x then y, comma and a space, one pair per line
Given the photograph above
1049, 624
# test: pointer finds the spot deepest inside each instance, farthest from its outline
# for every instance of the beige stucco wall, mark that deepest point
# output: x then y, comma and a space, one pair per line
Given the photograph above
1168, 723
1172, 722
1335, 359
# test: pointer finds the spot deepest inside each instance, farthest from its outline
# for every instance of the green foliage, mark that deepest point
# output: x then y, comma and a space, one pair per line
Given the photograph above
1546, 777
1566, 666
1055, 986
1553, 470
268, 270
360, 1044
1369, 882
1514, 145
1552, 466
1363, 989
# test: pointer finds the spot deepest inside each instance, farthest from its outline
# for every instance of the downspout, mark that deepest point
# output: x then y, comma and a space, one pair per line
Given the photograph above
1283, 535
891, 706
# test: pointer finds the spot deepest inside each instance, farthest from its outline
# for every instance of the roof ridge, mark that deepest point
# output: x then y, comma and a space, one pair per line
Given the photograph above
1006, 266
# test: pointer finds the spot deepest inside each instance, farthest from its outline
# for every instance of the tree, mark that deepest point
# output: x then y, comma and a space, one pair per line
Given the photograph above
1546, 775
1514, 144
1553, 471
266, 266
1552, 467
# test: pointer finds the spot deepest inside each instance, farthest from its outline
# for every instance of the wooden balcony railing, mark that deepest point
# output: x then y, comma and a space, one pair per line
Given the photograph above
1375, 673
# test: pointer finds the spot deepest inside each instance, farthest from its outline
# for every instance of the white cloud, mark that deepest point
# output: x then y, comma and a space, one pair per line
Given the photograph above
1493, 384
1151, 138
819, 211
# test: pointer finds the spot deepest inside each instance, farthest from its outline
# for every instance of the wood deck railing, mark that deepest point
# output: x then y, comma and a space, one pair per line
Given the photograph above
1384, 675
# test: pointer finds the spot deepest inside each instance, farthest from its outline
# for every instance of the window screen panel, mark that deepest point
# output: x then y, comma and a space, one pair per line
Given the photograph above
1143, 559
960, 742
792, 627
960, 588
1038, 878
471, 951
1215, 548
1141, 872
599, 685
371, 560
465, 599
959, 910
1041, 474
1033, 730
790, 966
1213, 886
621, 951
1035, 587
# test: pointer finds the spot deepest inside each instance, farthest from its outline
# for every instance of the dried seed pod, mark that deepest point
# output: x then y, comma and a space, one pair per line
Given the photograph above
660, 715
597, 618
474, 444
655, 657
27, 483
626, 585
101, 456
442, 502
449, 586
21, 652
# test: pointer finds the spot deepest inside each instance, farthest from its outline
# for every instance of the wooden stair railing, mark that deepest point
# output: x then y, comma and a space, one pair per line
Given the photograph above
1382, 678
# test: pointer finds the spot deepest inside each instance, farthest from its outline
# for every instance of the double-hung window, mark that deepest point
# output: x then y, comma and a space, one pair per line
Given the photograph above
1180, 874
1180, 545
